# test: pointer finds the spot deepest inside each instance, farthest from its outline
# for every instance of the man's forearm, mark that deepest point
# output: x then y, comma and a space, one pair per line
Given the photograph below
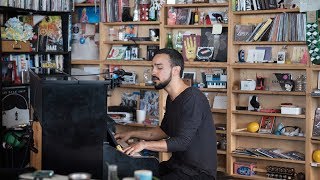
160, 146
151, 134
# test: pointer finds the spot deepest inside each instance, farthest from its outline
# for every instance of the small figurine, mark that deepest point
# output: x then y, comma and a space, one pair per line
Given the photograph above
289, 85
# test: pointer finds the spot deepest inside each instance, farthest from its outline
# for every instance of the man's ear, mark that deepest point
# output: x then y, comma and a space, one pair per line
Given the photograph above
176, 70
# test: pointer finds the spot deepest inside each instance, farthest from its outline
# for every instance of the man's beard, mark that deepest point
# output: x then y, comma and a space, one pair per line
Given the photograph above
163, 84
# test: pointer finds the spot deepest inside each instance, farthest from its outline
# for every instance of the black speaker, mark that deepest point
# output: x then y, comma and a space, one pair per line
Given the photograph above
72, 115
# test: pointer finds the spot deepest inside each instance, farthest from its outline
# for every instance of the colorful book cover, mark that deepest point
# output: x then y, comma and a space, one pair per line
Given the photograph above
50, 37
149, 100
88, 15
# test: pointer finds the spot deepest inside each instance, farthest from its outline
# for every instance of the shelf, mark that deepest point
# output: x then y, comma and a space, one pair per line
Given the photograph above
85, 62
268, 159
218, 110
268, 66
33, 53
146, 23
85, 4
192, 26
315, 140
221, 132
136, 86
269, 43
197, 5
288, 93
213, 90
255, 113
132, 42
269, 11
221, 152
127, 63
30, 11
268, 136
199, 64
249, 177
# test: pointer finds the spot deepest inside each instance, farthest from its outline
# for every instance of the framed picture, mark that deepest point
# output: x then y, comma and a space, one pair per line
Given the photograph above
281, 58
205, 53
266, 124
117, 53
189, 75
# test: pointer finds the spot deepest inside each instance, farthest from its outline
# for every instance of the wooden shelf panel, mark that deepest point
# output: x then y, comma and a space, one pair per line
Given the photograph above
132, 42
221, 169
198, 64
195, 5
86, 4
221, 152
268, 136
270, 92
255, 113
127, 63
221, 132
213, 90
136, 86
268, 159
218, 110
315, 140
269, 43
192, 26
268, 66
86, 62
269, 11
249, 177
145, 23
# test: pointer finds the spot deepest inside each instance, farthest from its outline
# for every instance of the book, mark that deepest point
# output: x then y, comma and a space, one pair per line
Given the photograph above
15, 106
50, 37
263, 28
182, 16
88, 14
8, 72
242, 32
149, 101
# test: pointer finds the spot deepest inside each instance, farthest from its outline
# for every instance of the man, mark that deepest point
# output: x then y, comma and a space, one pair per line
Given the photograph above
187, 128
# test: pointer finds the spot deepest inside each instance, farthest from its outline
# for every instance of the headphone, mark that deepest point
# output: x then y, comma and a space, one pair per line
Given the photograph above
16, 139
295, 131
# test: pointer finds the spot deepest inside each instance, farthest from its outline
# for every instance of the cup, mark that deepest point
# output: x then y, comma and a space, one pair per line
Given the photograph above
141, 115
143, 175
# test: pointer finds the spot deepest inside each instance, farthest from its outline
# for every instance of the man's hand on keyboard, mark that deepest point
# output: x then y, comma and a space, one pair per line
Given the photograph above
135, 148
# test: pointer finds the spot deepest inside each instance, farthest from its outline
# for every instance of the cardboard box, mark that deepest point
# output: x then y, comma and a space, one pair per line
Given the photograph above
15, 46
291, 110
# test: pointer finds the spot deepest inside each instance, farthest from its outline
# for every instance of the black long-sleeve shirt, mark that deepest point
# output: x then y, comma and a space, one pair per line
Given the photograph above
189, 124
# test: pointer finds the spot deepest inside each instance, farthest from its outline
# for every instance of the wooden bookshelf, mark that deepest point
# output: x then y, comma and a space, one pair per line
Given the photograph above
85, 62
86, 4
268, 66
279, 43
192, 26
290, 93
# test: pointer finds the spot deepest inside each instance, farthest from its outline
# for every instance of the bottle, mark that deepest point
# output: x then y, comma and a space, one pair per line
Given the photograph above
113, 172
136, 14
179, 44
152, 11
169, 41
196, 17
207, 96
